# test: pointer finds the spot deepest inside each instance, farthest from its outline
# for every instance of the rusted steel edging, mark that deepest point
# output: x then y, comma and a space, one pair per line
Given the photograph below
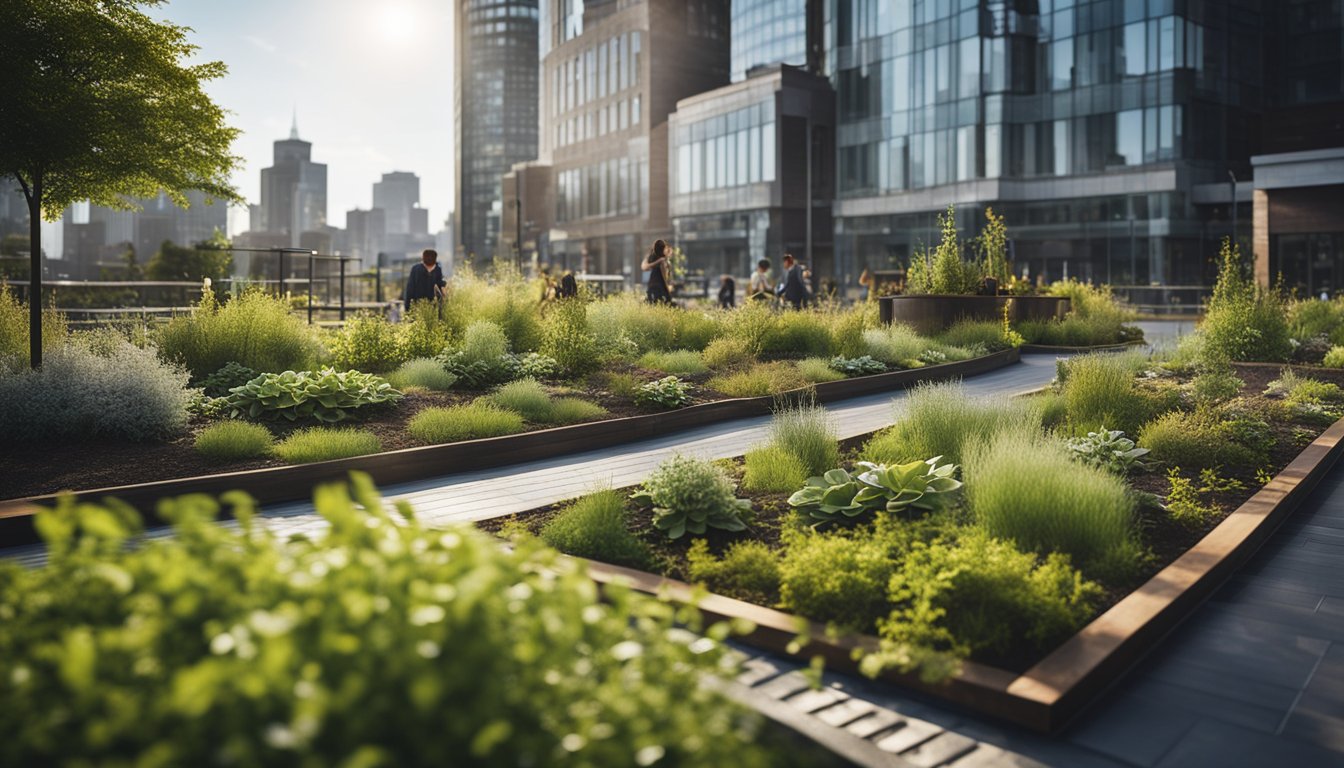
273, 485
1048, 696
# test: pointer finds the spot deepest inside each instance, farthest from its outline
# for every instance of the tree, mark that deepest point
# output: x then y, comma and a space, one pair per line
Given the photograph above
180, 262
101, 104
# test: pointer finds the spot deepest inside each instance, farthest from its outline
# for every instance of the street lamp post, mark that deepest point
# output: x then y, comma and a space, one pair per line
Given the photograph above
1232, 177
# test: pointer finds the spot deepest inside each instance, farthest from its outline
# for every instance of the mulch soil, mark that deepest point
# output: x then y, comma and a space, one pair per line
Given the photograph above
32, 470
1166, 539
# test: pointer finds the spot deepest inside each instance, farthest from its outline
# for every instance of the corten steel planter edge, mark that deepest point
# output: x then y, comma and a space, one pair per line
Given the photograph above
1057, 689
273, 485
1047, 349
932, 313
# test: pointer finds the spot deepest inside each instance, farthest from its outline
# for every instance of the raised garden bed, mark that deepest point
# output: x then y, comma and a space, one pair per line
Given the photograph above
277, 484
1046, 691
935, 313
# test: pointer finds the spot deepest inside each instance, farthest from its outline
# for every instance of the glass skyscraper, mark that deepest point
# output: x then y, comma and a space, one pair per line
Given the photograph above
769, 32
494, 110
1104, 131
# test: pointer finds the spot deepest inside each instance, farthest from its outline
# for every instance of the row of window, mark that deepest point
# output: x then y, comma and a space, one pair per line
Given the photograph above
613, 187
746, 156
595, 73
608, 118
1090, 144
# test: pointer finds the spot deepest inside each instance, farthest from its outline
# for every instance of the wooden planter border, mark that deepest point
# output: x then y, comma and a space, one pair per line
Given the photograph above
1049, 349
1048, 696
273, 485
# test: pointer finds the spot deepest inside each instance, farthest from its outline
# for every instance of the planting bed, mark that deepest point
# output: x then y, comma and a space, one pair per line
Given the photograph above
1184, 555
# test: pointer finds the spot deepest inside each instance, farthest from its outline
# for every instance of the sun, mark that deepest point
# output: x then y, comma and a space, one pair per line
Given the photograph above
396, 23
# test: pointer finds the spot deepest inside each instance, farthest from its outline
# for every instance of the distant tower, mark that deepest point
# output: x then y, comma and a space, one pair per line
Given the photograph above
293, 189
494, 109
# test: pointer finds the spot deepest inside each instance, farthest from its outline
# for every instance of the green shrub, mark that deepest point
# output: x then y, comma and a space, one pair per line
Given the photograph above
978, 596
943, 270
984, 334
836, 578
1054, 409
231, 375
1095, 317
567, 410
805, 432
463, 422
620, 384
841, 496
252, 329
759, 380
942, 420
90, 389
818, 370
750, 324
14, 343
896, 344
1243, 320
667, 392
1184, 504
860, 366
534, 365
728, 352
482, 360
1203, 440
1100, 391
1334, 358
508, 302
748, 570
771, 468
1108, 449
566, 337
483, 342
695, 330
647, 326
1311, 318
526, 397
1029, 489
802, 334
326, 443
367, 342
691, 495
681, 362
234, 441
422, 332
424, 372
1214, 387
594, 527
326, 395
848, 327
222, 645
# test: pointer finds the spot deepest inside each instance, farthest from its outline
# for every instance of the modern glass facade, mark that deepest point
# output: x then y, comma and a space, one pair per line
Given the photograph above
768, 32
495, 110
1089, 125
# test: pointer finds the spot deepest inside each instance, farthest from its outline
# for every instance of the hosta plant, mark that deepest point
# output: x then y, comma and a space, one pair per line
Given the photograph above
691, 495
858, 366
667, 392
327, 395
838, 494
1108, 449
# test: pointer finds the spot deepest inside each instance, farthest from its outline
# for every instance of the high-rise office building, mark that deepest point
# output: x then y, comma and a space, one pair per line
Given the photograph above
611, 74
103, 234
399, 194
293, 191
396, 225
494, 110
766, 32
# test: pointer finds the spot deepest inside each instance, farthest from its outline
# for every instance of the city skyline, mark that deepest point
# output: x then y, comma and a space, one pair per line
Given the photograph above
370, 87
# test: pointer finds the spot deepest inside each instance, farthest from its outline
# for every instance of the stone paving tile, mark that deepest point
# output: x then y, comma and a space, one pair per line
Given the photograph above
813, 700
1218, 745
990, 756
908, 736
757, 670
940, 750
879, 721
784, 686
845, 712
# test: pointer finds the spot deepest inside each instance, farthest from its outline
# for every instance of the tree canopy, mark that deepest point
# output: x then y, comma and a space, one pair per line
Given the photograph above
103, 102
183, 262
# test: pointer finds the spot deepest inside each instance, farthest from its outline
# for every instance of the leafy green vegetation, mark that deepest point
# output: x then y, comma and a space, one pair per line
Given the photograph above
327, 396
759, 380
836, 578
818, 370
252, 329
805, 432
668, 392
857, 366
1243, 320
594, 527
1100, 391
424, 372
463, 422
234, 441
680, 361
748, 570
326, 443
942, 420
772, 468
690, 496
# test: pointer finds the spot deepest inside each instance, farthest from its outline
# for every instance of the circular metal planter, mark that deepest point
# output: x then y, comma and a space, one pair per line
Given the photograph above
935, 313
1039, 307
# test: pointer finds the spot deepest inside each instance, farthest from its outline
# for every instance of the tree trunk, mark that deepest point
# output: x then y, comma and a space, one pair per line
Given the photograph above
35, 274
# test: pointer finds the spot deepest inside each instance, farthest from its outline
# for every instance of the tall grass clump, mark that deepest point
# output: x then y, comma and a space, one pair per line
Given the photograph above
526, 397
818, 370
252, 329
567, 410
463, 422
566, 336
1100, 390
805, 432
985, 334
727, 353
594, 527
326, 443
508, 301
14, 344
942, 420
896, 344
367, 342
798, 334
95, 386
771, 468
679, 361
1244, 322
1027, 488
424, 372
234, 441
1312, 318
648, 326
759, 380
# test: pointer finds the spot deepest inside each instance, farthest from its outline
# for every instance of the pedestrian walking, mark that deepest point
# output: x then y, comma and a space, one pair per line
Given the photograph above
659, 271
795, 288
426, 279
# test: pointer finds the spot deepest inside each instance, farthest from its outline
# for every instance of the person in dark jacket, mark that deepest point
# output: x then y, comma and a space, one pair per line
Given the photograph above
569, 286
426, 279
727, 292
795, 289
659, 290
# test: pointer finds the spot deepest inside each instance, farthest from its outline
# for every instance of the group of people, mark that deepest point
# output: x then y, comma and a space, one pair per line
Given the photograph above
425, 281
795, 289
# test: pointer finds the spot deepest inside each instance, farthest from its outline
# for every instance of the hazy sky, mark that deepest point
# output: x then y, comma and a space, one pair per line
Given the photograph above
371, 80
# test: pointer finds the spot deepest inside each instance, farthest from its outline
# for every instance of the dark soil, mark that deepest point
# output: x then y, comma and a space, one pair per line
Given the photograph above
1165, 539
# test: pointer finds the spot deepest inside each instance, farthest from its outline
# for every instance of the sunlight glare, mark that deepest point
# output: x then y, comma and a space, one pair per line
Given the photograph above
396, 24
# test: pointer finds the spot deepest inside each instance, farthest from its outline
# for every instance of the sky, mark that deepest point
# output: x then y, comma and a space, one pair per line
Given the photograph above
371, 82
